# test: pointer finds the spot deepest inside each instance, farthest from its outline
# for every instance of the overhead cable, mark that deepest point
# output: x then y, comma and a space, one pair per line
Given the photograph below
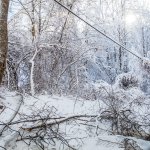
108, 37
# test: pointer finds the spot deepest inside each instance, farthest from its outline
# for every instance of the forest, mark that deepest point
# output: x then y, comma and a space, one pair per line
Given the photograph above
74, 74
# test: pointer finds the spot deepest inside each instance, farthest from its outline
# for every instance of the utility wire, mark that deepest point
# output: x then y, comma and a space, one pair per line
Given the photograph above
108, 37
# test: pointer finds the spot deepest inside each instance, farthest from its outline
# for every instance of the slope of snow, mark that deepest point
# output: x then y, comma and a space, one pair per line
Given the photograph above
84, 137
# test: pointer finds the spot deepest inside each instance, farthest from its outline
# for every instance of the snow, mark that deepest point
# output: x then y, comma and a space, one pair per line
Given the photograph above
11, 103
64, 105
83, 137
10, 108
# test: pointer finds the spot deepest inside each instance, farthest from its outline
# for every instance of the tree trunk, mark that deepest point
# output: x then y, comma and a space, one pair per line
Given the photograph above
4, 4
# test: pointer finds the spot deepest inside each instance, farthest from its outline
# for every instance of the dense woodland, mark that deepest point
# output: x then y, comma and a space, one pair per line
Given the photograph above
52, 50
95, 51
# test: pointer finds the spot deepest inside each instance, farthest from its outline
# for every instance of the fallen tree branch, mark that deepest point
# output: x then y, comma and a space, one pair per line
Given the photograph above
34, 120
3, 147
56, 122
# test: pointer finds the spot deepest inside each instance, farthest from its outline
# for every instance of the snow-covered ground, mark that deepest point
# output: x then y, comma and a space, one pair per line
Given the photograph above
82, 136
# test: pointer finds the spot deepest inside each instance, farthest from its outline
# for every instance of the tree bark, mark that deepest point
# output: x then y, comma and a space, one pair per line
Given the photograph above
4, 4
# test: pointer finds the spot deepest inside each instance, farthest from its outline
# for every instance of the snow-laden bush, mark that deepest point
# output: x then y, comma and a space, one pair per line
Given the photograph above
91, 91
130, 144
146, 65
123, 106
123, 122
126, 81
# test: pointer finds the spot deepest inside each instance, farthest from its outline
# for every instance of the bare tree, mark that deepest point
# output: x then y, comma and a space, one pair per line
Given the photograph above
4, 4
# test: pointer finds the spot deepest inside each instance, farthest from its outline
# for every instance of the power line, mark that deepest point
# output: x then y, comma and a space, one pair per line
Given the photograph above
108, 37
